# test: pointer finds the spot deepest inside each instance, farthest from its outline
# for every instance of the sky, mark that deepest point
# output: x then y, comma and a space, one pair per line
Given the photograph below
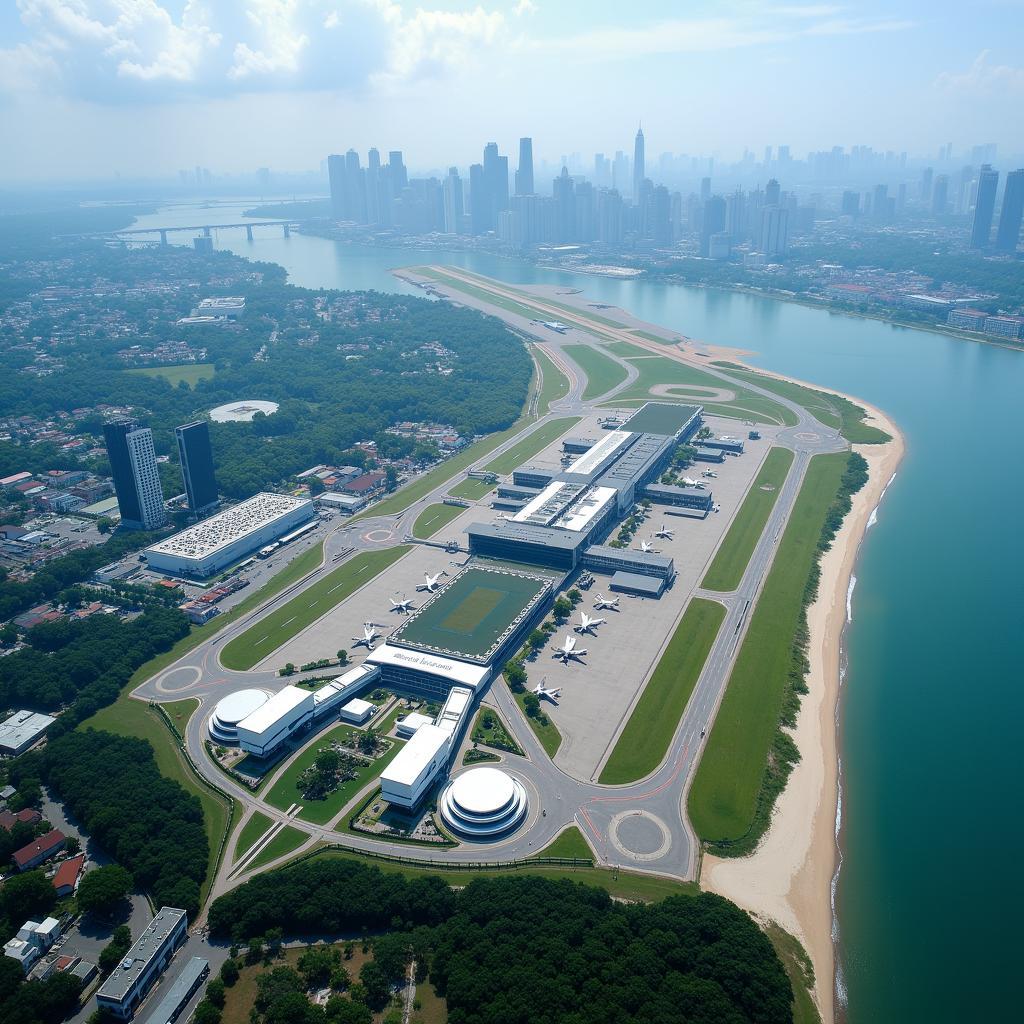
141, 88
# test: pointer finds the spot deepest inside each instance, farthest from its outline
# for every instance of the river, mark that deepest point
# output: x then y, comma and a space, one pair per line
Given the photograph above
930, 895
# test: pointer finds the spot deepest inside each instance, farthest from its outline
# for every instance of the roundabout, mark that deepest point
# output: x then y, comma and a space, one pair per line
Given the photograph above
483, 803
640, 835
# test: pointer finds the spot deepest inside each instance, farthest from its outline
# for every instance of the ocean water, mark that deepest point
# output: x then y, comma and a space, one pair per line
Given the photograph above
929, 897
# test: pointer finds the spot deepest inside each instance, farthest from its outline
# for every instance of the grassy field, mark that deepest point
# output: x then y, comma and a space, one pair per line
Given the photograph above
435, 517
128, 717
555, 384
283, 843
626, 885
549, 736
831, 410
642, 744
663, 370
648, 336
569, 843
723, 798
267, 635
284, 792
498, 737
732, 557
800, 971
253, 829
190, 373
603, 373
471, 490
531, 445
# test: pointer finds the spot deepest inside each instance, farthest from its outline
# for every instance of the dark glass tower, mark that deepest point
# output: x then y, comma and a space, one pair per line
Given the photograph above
984, 207
135, 474
196, 457
1008, 233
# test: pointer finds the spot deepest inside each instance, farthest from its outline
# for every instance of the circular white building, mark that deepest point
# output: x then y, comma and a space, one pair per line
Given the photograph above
230, 711
483, 803
243, 411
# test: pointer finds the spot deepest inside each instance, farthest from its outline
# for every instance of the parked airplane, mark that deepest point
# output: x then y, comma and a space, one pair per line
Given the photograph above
587, 624
601, 603
568, 651
369, 637
403, 607
647, 547
664, 533
429, 583
690, 482
545, 694
710, 474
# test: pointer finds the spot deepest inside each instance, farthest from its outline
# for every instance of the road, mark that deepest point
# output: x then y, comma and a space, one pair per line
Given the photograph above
642, 826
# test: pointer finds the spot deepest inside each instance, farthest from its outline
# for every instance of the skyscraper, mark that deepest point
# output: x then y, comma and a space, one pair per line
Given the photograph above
638, 163
134, 470
984, 207
196, 457
772, 193
774, 230
452, 202
477, 200
1008, 233
524, 173
495, 184
940, 195
399, 175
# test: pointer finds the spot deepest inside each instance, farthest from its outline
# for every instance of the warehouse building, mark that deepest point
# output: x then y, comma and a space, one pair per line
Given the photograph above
603, 558
184, 988
22, 730
730, 445
685, 497
704, 454
633, 583
126, 987
223, 539
532, 476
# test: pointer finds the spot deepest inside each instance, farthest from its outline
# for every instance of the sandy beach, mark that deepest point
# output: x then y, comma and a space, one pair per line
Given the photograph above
788, 878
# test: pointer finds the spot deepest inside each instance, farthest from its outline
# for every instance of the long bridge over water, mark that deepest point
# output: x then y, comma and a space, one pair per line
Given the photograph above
208, 229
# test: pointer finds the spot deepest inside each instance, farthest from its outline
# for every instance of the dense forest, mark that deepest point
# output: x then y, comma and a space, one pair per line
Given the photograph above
340, 376
84, 663
529, 950
149, 824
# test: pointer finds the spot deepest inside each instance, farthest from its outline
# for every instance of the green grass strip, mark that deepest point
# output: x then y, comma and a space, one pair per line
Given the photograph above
471, 490
435, 517
548, 734
253, 829
603, 373
569, 843
275, 629
731, 559
555, 385
283, 843
832, 410
531, 445
644, 741
725, 794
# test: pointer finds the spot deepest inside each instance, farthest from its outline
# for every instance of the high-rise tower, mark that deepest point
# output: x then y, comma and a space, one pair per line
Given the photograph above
1008, 233
524, 173
984, 207
136, 477
196, 457
638, 163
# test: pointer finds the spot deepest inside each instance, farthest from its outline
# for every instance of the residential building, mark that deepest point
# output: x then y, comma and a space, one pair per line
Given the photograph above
39, 850
133, 468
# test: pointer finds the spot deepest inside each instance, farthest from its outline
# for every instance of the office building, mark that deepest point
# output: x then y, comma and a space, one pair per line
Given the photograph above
940, 195
774, 231
133, 468
129, 983
196, 458
495, 179
984, 207
477, 200
181, 991
1008, 232
22, 730
850, 204
712, 222
638, 163
452, 202
229, 536
524, 173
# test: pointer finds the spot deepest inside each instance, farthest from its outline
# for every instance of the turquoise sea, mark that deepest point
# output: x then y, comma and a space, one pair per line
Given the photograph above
929, 897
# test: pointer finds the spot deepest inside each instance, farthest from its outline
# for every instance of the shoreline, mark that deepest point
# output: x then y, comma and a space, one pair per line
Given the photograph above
790, 877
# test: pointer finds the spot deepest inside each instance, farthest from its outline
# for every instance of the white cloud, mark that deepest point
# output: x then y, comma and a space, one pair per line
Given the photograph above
983, 78
125, 51
524, 7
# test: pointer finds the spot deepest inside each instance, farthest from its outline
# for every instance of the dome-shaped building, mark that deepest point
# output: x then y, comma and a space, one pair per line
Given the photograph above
483, 803
230, 711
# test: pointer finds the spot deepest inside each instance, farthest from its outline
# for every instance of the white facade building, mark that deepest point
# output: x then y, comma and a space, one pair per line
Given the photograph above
406, 780
147, 477
277, 720
223, 539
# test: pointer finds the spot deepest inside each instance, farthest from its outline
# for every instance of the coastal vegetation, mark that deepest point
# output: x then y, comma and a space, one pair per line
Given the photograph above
645, 739
528, 948
732, 556
749, 752
275, 629
603, 373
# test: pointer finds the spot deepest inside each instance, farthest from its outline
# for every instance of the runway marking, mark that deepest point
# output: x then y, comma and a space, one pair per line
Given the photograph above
292, 619
261, 639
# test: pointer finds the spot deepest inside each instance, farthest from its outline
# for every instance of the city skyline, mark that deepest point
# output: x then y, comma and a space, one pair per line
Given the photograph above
252, 85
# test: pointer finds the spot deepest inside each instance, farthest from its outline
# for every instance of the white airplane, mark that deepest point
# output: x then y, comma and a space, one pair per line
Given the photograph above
403, 607
647, 547
545, 694
710, 474
688, 481
369, 637
587, 624
601, 603
429, 583
664, 533
568, 651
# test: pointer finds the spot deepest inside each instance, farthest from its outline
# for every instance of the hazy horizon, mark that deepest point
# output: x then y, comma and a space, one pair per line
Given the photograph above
93, 89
